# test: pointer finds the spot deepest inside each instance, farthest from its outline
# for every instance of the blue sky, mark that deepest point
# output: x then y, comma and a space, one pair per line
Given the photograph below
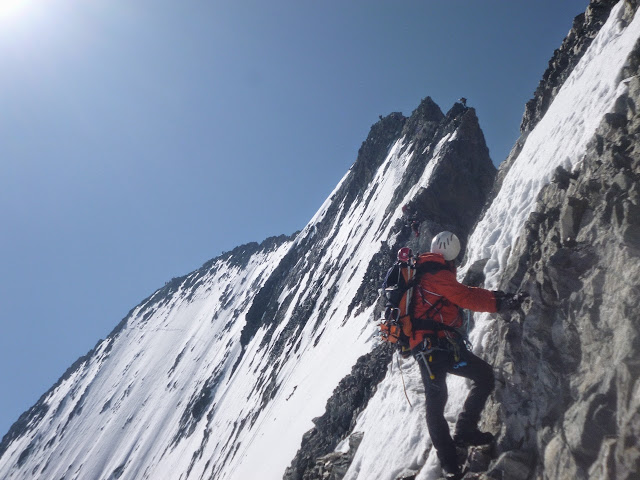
140, 139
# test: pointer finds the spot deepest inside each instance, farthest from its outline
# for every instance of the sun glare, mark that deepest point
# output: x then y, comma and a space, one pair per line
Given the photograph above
12, 9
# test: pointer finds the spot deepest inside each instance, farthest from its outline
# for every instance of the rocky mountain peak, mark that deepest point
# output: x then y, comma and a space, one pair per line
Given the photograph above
423, 120
461, 204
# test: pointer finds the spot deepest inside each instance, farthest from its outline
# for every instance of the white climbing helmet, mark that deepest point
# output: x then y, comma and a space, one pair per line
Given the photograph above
446, 244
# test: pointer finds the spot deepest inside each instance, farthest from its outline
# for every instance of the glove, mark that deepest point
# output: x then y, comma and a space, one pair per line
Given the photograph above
508, 302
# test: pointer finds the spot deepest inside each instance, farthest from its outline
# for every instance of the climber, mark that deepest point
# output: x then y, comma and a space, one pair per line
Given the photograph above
415, 228
440, 349
410, 217
408, 213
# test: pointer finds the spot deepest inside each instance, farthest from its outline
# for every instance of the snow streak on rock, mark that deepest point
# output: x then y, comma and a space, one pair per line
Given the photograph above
331, 341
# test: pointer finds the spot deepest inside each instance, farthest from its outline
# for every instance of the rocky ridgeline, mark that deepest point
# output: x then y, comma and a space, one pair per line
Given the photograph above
568, 403
584, 29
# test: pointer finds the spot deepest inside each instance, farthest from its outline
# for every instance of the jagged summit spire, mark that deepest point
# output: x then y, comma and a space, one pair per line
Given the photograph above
424, 120
428, 110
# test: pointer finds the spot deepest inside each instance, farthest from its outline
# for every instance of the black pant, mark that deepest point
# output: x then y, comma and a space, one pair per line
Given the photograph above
468, 366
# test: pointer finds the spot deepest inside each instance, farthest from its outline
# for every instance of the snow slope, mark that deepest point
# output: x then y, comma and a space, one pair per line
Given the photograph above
326, 355
119, 410
559, 139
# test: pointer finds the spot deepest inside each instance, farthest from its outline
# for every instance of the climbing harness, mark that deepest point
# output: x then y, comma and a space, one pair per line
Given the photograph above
453, 346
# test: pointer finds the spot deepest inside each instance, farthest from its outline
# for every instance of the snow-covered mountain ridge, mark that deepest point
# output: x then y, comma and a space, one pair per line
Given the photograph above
201, 379
264, 362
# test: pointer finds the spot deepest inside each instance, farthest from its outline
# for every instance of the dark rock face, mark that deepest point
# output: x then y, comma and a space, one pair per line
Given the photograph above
453, 205
568, 367
423, 123
334, 466
373, 152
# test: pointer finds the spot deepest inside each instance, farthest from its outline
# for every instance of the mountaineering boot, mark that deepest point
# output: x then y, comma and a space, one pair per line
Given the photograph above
453, 476
450, 468
472, 437
455, 473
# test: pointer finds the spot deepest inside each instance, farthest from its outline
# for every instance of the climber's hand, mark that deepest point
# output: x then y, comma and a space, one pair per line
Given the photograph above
509, 302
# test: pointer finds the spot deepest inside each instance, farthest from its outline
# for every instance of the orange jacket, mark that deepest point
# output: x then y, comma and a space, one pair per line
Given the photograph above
441, 288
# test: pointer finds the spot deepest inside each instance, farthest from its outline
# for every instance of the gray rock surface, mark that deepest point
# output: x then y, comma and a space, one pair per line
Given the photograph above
568, 368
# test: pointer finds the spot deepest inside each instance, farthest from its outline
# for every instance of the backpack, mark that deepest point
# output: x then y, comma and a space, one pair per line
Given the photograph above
398, 325
398, 290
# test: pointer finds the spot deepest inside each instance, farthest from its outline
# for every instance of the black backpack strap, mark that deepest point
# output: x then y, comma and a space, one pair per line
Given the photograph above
429, 324
430, 267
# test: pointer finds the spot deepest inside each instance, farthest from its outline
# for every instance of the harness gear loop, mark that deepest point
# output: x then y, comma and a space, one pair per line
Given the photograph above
426, 363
